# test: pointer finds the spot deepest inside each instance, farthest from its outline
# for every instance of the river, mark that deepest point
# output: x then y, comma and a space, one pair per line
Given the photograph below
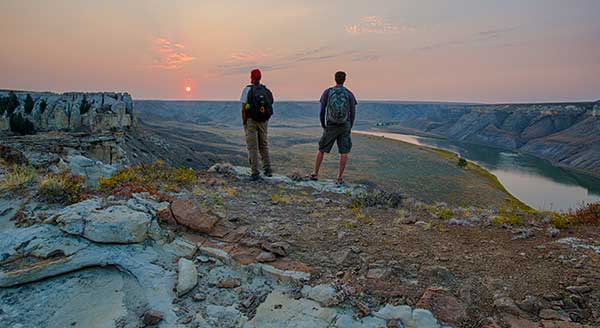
536, 182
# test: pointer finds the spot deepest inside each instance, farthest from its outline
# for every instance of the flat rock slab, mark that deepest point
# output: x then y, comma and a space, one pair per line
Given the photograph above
44, 251
97, 297
279, 310
323, 294
346, 321
192, 216
116, 224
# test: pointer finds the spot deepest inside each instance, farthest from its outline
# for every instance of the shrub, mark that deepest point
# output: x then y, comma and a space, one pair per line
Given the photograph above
20, 125
85, 106
43, 106
588, 213
62, 188
462, 163
28, 104
149, 178
17, 178
508, 218
444, 213
9, 104
560, 220
283, 199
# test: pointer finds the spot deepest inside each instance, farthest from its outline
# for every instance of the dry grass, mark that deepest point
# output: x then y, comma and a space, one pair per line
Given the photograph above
17, 179
62, 188
149, 178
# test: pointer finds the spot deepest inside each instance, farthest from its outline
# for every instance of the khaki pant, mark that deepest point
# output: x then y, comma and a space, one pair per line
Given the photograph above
256, 140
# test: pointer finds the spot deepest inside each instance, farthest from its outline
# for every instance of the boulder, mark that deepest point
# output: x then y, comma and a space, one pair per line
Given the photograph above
391, 312
444, 305
279, 310
182, 248
90, 169
190, 215
264, 257
187, 278
152, 317
116, 224
324, 294
346, 321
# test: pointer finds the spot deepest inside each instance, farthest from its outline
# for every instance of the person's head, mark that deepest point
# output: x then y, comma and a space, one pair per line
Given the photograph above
340, 78
255, 76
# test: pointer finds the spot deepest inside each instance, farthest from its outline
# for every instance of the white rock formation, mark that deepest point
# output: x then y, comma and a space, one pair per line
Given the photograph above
75, 111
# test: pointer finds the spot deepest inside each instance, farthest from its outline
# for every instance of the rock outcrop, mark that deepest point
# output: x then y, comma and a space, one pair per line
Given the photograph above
567, 134
72, 111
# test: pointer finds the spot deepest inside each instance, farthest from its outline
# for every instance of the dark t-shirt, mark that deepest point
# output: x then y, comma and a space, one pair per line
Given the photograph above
325, 98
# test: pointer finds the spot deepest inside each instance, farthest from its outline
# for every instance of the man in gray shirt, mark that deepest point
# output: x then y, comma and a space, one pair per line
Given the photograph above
338, 111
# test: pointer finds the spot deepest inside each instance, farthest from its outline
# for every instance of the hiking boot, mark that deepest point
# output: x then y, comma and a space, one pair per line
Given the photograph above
269, 173
255, 177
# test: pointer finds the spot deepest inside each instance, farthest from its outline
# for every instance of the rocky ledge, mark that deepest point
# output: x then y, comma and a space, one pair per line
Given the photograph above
209, 279
72, 111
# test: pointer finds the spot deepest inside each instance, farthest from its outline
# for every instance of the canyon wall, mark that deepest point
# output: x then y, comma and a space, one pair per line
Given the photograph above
72, 111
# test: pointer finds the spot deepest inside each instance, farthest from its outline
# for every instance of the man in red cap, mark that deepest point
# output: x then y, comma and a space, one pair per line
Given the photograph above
257, 109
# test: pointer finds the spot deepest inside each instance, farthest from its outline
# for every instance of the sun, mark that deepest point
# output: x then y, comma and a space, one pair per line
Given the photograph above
188, 89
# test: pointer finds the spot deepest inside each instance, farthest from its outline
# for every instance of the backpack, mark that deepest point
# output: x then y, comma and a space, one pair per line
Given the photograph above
338, 105
260, 100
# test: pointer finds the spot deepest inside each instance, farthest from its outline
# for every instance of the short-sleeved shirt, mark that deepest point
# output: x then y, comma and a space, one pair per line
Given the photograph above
244, 96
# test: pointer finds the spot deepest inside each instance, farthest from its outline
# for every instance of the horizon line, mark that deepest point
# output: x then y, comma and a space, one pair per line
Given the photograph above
316, 100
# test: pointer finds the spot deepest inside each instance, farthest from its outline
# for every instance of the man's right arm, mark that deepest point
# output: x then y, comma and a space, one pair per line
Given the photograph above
323, 102
244, 101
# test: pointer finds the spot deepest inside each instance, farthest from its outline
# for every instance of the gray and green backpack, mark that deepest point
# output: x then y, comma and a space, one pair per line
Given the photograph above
338, 105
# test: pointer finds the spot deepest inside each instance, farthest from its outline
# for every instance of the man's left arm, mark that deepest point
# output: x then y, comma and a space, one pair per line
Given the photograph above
353, 104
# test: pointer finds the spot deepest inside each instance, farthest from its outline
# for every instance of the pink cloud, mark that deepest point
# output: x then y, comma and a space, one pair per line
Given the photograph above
169, 55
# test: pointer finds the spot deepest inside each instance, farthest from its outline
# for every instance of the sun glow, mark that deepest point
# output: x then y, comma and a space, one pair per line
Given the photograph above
188, 89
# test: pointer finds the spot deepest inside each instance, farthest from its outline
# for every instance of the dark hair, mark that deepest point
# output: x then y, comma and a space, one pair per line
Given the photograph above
340, 77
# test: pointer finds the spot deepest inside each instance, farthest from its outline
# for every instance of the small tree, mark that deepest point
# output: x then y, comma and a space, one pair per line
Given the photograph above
462, 163
28, 104
20, 125
9, 104
85, 106
43, 106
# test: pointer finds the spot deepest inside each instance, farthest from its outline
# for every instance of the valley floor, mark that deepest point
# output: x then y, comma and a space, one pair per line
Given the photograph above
423, 173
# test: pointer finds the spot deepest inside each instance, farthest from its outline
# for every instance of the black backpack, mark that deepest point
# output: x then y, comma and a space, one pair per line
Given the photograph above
260, 100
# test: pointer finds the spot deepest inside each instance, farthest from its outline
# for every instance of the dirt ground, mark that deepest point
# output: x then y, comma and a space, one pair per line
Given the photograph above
394, 255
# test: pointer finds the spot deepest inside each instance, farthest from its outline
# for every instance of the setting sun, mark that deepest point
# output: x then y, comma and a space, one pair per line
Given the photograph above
188, 89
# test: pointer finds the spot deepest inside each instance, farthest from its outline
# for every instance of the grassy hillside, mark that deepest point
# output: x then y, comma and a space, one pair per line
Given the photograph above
420, 172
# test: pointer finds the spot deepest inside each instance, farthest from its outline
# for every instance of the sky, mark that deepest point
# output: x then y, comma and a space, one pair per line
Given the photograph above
427, 50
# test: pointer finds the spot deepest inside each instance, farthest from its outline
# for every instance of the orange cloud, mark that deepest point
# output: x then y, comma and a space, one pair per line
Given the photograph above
376, 24
169, 55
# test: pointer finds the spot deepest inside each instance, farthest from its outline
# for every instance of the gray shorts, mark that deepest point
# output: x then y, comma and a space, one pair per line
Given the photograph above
341, 134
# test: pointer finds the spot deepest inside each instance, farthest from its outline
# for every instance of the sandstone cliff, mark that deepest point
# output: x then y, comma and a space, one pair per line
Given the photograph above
73, 111
566, 134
